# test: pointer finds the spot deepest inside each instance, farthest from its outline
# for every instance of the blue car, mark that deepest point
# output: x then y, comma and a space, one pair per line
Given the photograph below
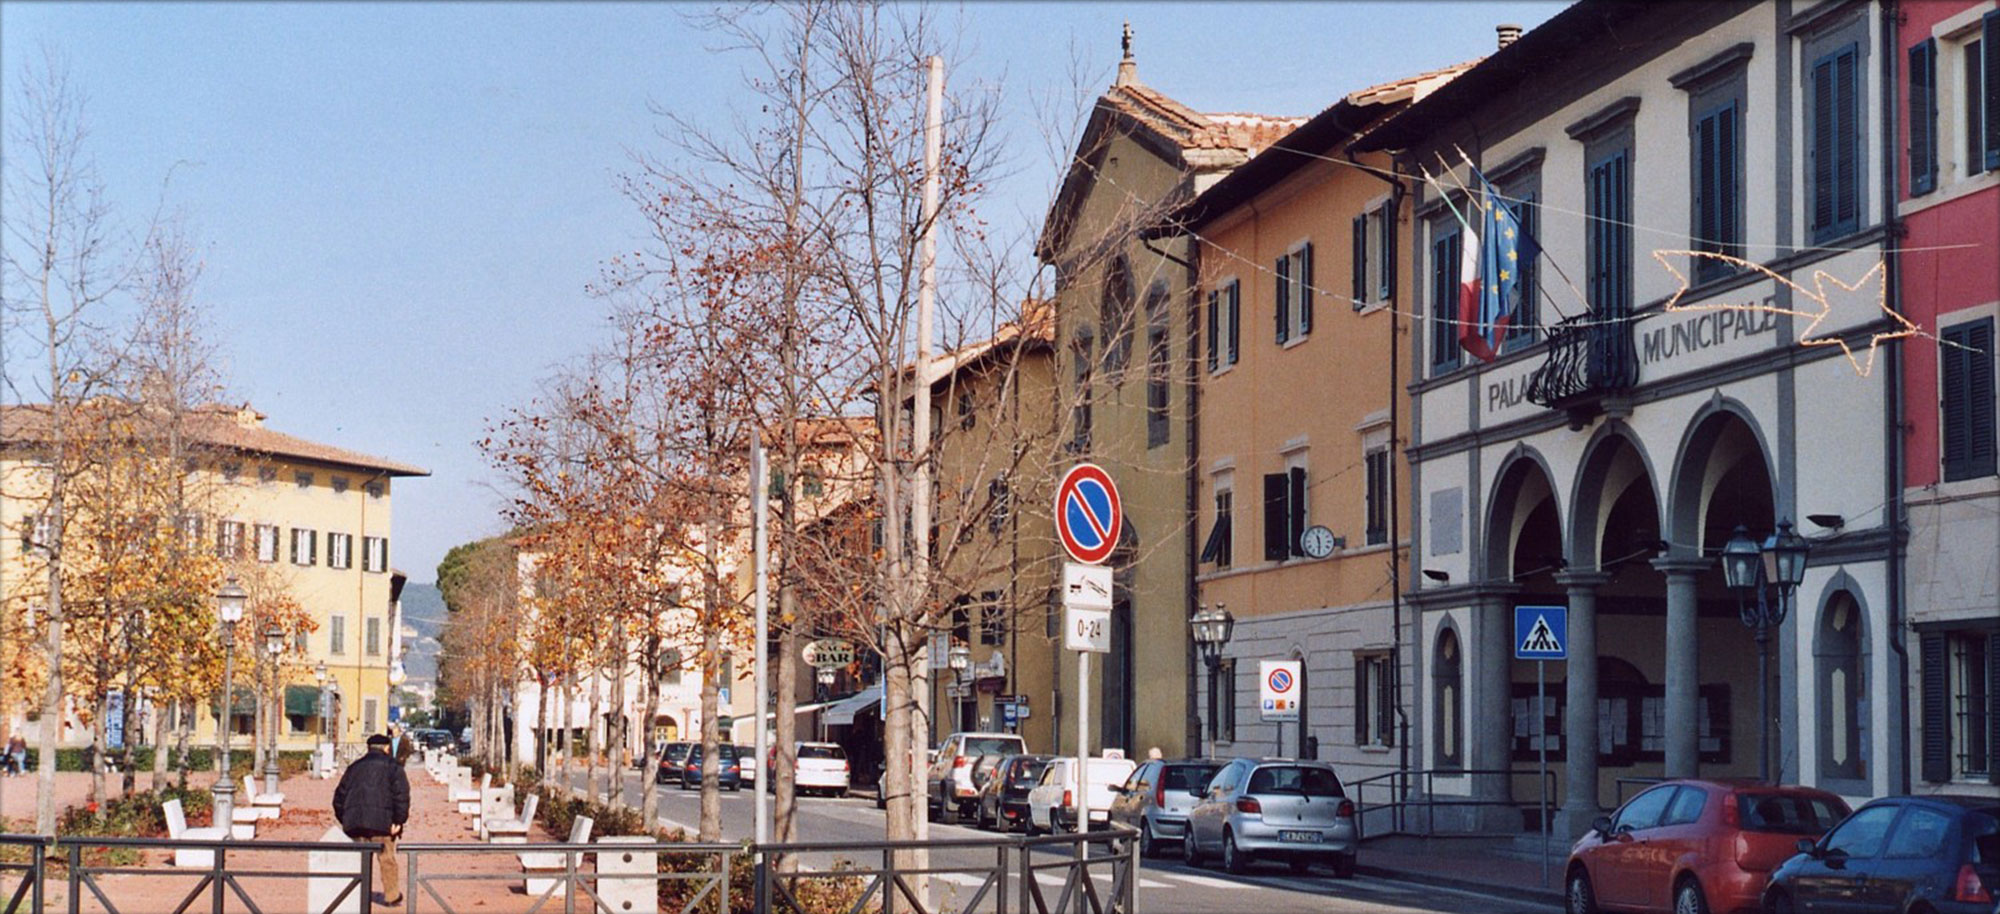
730, 777
1933, 853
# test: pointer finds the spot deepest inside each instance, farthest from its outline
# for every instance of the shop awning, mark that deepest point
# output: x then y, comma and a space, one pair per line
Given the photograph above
841, 713
244, 701
302, 700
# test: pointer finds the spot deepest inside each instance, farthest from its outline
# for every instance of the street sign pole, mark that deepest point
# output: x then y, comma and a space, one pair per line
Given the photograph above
1541, 634
1542, 743
1089, 520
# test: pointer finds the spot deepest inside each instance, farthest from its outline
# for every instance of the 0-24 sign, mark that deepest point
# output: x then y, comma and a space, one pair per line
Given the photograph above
1087, 629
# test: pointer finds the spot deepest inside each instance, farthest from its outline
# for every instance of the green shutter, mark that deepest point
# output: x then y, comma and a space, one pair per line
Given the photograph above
1214, 315
1283, 311
1307, 292
1235, 295
1358, 270
1936, 685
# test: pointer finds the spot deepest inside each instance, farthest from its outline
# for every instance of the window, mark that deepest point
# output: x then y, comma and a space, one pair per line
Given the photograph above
302, 479
1445, 252
339, 484
1284, 513
1225, 307
1294, 293
1115, 316
1966, 366
1159, 367
1080, 411
1923, 117
992, 619
336, 635
1686, 807
1447, 677
1645, 810
1863, 834
267, 543
191, 528
1718, 188
1527, 317
1959, 679
340, 550
267, 475
1922, 835
1377, 465
305, 546
961, 621
374, 489
37, 531
1218, 547
1834, 143
1608, 240
1223, 728
1373, 257
1374, 705
1843, 705
374, 553
368, 715
1979, 63
967, 417
371, 636
810, 485
229, 539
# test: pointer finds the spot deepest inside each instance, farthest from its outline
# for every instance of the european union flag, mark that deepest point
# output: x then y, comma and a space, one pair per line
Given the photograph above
1507, 250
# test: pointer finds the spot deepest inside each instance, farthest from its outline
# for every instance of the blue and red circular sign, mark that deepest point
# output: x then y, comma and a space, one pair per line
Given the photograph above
1088, 516
1281, 680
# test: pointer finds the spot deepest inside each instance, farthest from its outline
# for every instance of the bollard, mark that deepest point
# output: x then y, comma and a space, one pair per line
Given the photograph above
628, 880
333, 872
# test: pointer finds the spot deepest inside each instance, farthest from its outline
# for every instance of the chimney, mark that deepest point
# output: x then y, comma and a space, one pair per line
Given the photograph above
1508, 33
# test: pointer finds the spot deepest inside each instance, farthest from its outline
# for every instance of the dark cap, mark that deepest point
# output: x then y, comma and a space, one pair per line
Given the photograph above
377, 739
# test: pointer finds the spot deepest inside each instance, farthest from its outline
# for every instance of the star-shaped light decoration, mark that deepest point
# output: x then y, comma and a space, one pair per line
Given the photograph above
1819, 295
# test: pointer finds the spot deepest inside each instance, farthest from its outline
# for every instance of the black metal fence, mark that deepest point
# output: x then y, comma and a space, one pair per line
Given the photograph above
1407, 802
1092, 873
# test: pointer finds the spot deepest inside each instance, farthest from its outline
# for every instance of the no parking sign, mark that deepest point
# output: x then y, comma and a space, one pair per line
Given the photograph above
1088, 515
1278, 688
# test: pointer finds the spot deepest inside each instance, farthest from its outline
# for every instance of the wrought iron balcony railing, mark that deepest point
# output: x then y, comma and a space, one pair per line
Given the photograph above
1591, 357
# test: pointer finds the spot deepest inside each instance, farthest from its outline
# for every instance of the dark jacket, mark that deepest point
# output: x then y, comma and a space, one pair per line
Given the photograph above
374, 794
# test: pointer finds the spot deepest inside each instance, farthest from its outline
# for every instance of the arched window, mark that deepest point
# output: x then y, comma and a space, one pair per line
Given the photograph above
1116, 317
1842, 690
1447, 700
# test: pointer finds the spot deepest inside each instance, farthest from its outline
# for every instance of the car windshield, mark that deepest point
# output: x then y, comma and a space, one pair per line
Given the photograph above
1188, 777
1299, 779
1983, 826
822, 752
1789, 814
1029, 769
990, 745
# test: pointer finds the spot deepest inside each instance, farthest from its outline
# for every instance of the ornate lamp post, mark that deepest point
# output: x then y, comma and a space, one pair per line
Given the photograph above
826, 675
1754, 569
229, 606
319, 673
959, 658
1212, 630
274, 644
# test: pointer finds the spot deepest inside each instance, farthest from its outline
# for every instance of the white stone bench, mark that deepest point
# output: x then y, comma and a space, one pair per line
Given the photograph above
514, 830
268, 805
544, 870
178, 830
495, 804
468, 800
334, 872
628, 881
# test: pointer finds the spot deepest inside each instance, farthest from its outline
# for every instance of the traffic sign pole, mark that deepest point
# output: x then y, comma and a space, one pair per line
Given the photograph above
1541, 634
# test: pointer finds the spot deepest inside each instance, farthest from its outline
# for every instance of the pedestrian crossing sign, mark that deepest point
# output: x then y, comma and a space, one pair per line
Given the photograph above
1541, 633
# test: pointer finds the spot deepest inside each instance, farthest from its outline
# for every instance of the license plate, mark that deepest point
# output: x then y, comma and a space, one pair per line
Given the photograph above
1302, 837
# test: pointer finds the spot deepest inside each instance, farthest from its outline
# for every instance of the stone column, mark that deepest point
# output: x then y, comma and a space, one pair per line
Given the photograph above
1683, 737
1490, 738
1580, 736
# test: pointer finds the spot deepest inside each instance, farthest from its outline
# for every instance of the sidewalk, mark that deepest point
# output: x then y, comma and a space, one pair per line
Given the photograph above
1489, 866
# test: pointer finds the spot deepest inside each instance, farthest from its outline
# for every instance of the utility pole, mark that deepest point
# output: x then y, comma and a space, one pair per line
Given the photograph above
760, 544
920, 439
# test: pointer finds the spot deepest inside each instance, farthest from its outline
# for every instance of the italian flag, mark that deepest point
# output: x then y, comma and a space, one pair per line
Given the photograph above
1470, 330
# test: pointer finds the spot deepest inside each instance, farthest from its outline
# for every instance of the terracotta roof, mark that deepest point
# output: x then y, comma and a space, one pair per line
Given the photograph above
1410, 88
239, 429
1191, 129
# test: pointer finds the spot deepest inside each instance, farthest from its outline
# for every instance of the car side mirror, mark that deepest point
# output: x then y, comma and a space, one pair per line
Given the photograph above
1602, 825
1809, 847
1834, 857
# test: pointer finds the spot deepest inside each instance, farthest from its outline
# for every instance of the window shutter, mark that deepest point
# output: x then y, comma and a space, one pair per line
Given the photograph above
1361, 703
1990, 48
1992, 711
1235, 294
1307, 292
1822, 151
1387, 281
1276, 500
1213, 316
1297, 509
295, 546
1980, 448
1727, 236
1283, 310
1923, 117
1358, 287
1936, 709
1846, 135
1705, 198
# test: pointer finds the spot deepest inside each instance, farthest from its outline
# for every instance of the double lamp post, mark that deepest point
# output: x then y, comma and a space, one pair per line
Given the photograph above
1754, 569
229, 603
1212, 629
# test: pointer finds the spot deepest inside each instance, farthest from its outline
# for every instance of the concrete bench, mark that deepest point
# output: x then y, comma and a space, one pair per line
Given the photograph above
178, 830
628, 881
468, 800
509, 830
334, 872
495, 804
268, 805
543, 870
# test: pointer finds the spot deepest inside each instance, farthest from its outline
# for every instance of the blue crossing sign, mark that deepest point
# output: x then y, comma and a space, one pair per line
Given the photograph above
1541, 633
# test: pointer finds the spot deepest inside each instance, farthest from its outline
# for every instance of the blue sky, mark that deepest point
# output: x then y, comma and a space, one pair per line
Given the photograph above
400, 204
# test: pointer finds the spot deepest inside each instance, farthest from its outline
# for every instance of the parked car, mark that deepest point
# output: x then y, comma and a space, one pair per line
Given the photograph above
953, 792
746, 760
1052, 804
1690, 846
433, 739
822, 767
1155, 800
672, 757
728, 777
1934, 853
1273, 809
1003, 799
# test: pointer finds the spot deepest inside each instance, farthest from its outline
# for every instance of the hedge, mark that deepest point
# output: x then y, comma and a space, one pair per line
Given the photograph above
290, 762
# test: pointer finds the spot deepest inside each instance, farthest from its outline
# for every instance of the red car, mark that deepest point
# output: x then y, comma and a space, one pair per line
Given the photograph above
1694, 846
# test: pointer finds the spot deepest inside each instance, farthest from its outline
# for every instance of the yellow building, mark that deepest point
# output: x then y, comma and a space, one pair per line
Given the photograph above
310, 518
1127, 364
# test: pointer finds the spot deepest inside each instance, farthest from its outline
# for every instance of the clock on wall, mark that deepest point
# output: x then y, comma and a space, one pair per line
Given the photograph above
1318, 542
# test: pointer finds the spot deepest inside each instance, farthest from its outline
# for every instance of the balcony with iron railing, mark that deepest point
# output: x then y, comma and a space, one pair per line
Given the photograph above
1591, 358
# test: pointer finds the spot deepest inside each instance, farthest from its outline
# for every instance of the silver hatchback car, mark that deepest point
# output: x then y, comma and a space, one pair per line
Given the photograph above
1273, 809
1155, 800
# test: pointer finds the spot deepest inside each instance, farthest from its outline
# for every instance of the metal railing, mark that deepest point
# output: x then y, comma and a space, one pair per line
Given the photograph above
1591, 355
21, 880
705, 887
216, 883
1073, 864
1404, 799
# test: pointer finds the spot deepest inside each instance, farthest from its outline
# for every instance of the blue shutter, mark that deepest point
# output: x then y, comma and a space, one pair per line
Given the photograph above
1923, 117
1706, 198
1283, 310
1729, 232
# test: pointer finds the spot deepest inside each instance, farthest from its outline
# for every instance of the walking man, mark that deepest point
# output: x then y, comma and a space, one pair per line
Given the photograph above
371, 804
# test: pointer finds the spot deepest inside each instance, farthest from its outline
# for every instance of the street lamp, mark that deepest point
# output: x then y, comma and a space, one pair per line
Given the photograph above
1753, 568
274, 644
319, 673
1212, 630
959, 658
826, 675
229, 606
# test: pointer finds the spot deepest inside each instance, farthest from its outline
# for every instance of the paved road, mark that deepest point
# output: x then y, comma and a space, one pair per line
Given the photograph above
1163, 886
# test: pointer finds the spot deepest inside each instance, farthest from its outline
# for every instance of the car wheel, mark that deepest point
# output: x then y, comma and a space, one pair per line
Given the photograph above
1190, 854
1688, 898
1232, 858
1343, 866
1579, 898
1149, 846
1779, 903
